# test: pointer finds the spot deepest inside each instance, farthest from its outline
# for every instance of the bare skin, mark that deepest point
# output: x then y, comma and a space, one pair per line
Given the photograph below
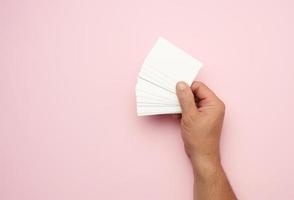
201, 124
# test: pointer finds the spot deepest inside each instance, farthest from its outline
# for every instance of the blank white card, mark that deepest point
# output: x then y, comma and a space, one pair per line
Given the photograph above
164, 66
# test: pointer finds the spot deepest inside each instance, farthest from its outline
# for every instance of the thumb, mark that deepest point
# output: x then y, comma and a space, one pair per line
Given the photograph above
186, 97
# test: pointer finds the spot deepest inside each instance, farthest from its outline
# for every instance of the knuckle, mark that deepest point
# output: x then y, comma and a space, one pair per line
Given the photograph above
201, 83
186, 125
222, 106
189, 117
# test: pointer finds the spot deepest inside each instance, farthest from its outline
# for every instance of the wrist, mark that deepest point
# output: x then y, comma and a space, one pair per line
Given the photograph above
206, 165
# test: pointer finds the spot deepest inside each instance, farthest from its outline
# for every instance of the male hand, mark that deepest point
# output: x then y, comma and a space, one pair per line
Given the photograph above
201, 124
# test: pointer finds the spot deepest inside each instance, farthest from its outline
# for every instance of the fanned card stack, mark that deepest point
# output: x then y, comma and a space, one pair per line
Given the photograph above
164, 66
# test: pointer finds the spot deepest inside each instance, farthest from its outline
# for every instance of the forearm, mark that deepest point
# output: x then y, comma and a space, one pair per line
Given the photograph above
210, 181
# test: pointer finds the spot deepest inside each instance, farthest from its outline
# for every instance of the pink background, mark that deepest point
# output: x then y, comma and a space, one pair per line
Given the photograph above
68, 126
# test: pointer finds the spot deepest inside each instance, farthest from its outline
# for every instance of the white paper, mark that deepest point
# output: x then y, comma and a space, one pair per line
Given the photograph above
163, 67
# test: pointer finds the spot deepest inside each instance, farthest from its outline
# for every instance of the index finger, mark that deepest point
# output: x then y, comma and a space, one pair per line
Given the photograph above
202, 92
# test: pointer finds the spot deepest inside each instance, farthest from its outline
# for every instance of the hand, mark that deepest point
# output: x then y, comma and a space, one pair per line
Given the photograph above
201, 124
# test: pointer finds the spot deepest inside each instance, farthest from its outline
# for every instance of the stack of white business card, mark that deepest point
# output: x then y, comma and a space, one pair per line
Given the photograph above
164, 66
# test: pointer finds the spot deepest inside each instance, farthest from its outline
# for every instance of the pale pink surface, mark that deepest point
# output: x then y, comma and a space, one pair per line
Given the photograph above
68, 127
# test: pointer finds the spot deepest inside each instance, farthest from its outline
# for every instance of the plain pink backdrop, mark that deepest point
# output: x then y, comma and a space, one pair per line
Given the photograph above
68, 124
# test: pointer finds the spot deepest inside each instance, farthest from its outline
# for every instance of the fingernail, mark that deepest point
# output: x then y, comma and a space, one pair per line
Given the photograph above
181, 85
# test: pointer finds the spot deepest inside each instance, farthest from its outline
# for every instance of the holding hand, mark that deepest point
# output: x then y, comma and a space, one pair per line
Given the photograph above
201, 124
